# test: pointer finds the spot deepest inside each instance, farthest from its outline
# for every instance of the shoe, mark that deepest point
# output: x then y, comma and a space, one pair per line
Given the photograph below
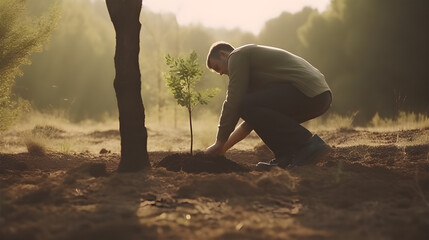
312, 152
282, 162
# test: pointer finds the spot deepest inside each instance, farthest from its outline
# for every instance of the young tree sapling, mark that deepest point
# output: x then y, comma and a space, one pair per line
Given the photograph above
182, 76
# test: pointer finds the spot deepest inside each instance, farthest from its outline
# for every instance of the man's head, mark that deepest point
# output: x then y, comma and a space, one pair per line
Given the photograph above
217, 58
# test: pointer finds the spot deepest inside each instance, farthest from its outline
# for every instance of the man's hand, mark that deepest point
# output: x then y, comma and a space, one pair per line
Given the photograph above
216, 149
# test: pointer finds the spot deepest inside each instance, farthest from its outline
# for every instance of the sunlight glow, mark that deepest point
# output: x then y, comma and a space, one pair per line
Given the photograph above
244, 14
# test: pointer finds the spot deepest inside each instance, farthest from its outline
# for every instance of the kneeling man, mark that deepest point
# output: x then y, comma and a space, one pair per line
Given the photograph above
273, 91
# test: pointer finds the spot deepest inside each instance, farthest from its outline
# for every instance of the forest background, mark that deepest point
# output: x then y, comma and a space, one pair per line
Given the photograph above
374, 55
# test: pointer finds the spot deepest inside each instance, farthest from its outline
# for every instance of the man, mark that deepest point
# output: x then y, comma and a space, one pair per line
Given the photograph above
273, 91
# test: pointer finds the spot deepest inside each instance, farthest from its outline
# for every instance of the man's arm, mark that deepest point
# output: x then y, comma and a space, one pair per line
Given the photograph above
238, 66
219, 148
241, 132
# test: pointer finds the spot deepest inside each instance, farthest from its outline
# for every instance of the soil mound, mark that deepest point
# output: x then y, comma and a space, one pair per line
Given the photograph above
9, 162
256, 185
200, 163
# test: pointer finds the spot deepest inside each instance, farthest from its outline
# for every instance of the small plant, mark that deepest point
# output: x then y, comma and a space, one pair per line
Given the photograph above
183, 75
65, 147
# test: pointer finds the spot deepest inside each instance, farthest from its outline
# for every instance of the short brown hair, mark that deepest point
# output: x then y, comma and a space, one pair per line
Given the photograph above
216, 48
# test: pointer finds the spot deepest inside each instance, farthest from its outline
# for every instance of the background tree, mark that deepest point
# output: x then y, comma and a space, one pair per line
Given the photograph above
83, 40
20, 35
282, 31
183, 75
375, 55
125, 18
158, 30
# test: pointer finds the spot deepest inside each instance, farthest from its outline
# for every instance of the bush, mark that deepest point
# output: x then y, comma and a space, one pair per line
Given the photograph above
20, 35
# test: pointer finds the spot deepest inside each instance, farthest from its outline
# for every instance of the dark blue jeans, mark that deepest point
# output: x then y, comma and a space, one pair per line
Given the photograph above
276, 114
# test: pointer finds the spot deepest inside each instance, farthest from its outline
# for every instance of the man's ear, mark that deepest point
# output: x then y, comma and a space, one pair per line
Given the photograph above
223, 53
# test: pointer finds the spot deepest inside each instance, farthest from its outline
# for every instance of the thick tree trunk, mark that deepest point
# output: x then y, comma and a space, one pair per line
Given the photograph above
125, 18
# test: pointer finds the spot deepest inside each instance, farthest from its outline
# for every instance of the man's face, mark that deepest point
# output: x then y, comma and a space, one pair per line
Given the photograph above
220, 65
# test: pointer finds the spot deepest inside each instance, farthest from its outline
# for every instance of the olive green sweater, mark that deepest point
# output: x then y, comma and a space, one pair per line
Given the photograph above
255, 67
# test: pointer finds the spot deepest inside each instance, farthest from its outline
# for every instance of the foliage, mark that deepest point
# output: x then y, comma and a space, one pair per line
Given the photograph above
75, 71
20, 35
282, 31
372, 53
183, 75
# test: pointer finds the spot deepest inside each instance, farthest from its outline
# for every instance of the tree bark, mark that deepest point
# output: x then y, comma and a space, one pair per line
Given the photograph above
125, 18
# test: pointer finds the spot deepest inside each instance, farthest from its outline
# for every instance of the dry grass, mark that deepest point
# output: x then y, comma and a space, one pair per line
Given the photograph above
176, 120
35, 146
55, 131
405, 121
331, 122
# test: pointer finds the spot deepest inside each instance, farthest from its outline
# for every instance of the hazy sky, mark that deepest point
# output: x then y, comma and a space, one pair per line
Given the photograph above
248, 15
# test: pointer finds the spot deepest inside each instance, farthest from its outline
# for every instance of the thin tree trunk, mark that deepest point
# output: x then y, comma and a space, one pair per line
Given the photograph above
159, 98
190, 128
190, 115
125, 18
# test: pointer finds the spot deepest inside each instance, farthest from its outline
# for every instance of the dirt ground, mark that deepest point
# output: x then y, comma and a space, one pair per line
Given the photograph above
373, 185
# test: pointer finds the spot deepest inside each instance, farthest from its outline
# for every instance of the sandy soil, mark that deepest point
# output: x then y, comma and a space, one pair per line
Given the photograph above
373, 185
